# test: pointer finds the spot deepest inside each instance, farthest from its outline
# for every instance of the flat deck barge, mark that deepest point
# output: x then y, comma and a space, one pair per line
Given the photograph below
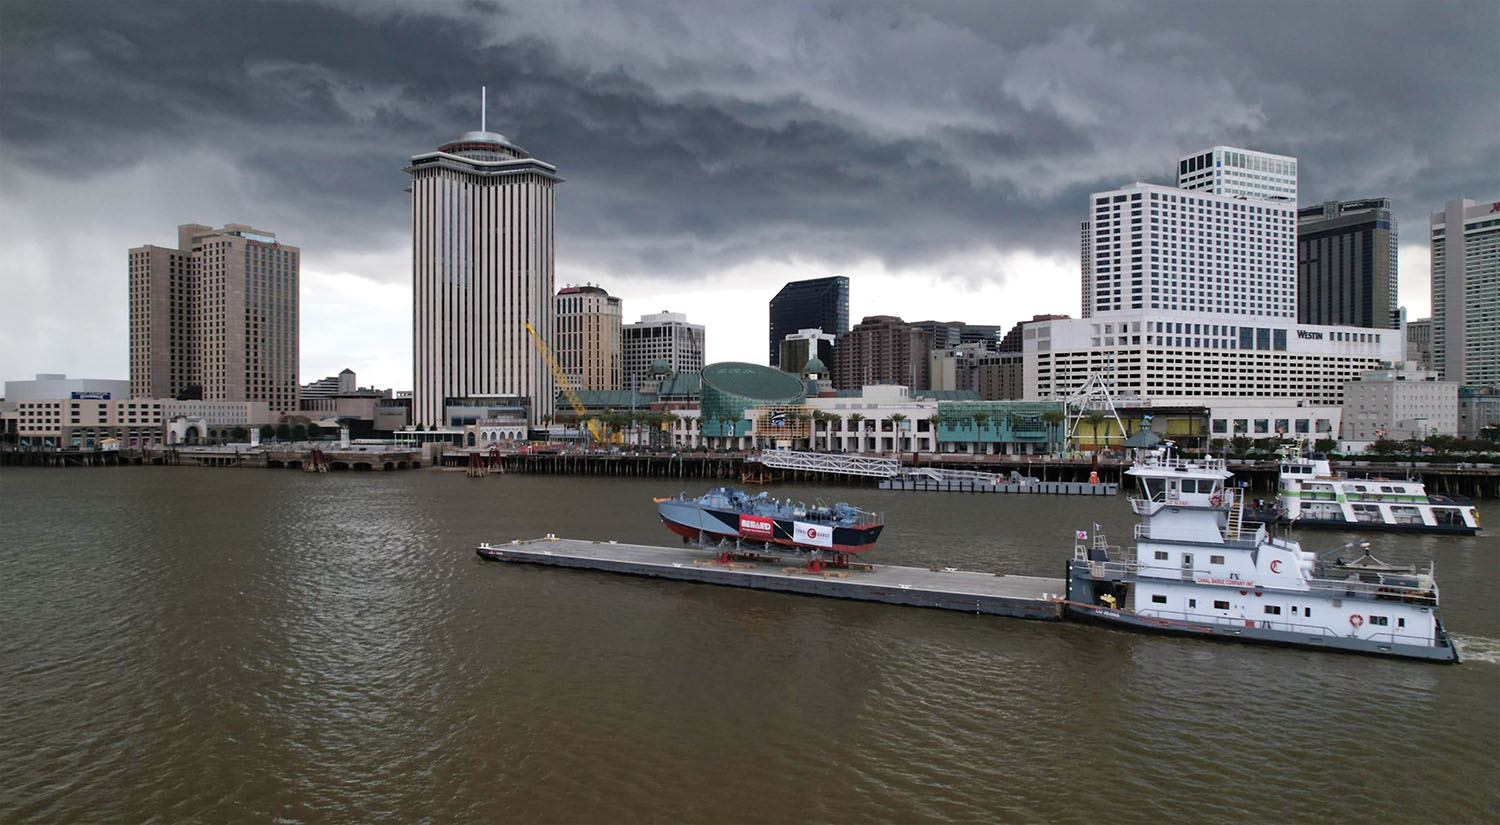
1026, 597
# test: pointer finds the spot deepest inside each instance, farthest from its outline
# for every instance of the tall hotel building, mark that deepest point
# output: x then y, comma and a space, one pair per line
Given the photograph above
1466, 292
588, 341
1346, 264
219, 312
482, 267
1192, 293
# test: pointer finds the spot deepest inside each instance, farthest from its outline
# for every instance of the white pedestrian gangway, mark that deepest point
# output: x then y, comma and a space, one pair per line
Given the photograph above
849, 465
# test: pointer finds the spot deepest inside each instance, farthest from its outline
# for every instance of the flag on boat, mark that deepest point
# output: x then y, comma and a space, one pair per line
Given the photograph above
1083, 535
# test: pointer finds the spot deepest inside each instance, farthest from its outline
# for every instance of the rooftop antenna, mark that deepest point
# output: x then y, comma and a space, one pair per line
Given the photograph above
482, 107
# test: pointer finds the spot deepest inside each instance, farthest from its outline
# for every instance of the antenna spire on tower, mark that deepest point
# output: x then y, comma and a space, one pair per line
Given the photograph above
482, 107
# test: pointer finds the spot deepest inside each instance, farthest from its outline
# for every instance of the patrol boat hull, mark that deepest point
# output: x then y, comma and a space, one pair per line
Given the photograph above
732, 515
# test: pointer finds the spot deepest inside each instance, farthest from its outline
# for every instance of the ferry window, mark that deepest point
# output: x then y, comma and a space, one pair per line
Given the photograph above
1161, 555
1218, 605
1215, 559
1307, 612
1158, 599
1274, 610
1380, 620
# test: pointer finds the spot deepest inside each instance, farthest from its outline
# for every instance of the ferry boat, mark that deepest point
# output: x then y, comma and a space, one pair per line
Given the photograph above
1199, 568
1309, 494
725, 513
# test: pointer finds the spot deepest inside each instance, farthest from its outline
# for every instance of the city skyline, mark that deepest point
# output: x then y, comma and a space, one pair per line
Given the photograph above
941, 158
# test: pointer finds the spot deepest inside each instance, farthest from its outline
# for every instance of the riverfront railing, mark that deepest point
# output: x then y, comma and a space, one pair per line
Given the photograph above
849, 465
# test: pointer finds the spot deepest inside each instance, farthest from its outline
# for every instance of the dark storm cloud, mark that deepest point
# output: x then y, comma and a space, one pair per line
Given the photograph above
696, 137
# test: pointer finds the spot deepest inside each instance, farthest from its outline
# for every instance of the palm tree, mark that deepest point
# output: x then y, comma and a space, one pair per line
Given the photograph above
855, 422
1013, 424
897, 419
1052, 418
979, 420
726, 422
1094, 419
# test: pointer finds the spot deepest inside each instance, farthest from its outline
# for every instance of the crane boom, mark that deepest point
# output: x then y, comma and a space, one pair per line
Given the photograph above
566, 385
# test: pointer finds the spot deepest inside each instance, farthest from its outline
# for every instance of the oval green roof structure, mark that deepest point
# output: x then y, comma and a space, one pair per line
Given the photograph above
752, 382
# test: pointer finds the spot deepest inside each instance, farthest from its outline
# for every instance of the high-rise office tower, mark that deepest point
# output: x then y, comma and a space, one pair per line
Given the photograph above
1240, 173
819, 303
666, 336
482, 268
806, 345
1466, 292
588, 338
219, 313
1346, 264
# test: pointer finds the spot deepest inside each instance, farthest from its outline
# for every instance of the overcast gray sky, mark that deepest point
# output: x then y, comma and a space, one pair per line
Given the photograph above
940, 154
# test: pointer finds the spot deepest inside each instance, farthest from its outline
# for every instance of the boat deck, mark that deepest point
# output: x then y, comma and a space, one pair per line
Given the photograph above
1028, 597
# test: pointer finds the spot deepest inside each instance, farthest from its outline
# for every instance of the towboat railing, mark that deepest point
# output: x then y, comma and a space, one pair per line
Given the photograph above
1422, 594
1172, 462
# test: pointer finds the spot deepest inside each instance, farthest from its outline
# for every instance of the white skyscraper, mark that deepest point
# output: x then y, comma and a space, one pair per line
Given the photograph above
1162, 248
482, 267
666, 336
1242, 173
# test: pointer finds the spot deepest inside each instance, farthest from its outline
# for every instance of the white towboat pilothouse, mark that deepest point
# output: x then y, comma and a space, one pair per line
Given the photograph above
1198, 567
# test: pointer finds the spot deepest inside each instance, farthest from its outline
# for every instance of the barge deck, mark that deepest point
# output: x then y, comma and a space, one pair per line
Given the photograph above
1026, 597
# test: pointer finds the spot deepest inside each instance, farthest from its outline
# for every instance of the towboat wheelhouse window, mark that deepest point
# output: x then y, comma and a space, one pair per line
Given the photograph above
1155, 489
1221, 605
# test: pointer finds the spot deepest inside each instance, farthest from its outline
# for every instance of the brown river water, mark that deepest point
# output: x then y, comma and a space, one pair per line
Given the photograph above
263, 646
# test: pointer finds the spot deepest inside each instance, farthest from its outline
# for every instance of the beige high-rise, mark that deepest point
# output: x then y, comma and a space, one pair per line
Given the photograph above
482, 268
219, 312
587, 337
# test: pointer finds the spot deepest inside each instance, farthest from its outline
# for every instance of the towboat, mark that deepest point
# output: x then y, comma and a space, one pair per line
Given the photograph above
1199, 567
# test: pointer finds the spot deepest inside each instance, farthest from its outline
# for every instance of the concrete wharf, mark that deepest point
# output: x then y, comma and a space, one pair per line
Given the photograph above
1026, 597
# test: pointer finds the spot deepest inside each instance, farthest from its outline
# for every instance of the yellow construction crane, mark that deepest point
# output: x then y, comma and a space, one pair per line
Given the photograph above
566, 385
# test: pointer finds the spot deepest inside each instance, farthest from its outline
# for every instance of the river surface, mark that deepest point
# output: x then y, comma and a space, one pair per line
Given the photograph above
222, 645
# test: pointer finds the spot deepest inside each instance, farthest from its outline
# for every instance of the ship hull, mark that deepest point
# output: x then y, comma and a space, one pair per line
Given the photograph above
693, 521
1343, 524
1080, 605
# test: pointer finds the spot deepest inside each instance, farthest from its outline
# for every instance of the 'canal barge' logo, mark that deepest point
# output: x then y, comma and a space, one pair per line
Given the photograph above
761, 528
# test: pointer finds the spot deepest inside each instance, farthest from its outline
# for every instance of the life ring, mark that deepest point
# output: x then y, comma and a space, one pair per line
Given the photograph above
1216, 500
1356, 620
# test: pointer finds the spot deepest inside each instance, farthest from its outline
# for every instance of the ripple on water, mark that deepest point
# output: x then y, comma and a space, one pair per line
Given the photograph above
209, 645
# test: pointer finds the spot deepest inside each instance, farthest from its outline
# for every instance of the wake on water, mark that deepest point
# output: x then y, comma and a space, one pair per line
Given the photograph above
1478, 649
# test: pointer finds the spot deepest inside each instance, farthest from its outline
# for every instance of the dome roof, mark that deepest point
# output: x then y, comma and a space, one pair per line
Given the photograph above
660, 367
752, 382
814, 366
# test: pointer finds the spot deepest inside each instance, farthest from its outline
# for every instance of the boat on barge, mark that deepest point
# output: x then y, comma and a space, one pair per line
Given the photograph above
724, 513
1199, 567
1310, 494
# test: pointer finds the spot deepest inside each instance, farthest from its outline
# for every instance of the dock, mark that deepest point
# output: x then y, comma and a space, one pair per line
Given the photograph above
945, 588
1030, 487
